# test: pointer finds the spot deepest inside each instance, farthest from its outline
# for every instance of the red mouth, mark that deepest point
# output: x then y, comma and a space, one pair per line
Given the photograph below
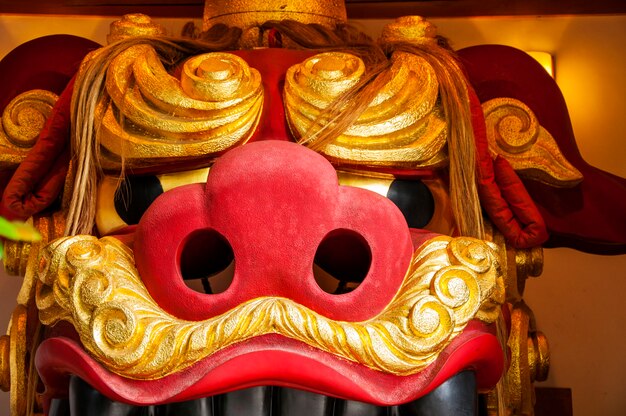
274, 360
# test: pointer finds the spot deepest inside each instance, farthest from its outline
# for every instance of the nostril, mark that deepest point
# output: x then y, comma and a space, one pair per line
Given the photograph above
207, 262
341, 261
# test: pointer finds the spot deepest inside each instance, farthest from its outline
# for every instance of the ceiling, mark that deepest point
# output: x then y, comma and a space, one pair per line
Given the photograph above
356, 8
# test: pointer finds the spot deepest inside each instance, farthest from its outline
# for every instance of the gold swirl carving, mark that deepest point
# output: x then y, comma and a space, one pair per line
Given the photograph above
18, 346
520, 264
529, 351
530, 359
402, 126
514, 133
94, 285
134, 24
22, 121
154, 117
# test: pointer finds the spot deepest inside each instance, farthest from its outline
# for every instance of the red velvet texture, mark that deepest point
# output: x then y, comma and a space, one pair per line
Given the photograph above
273, 64
274, 202
39, 179
590, 216
47, 63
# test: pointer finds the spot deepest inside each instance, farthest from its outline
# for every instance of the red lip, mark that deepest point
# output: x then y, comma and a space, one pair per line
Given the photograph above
274, 360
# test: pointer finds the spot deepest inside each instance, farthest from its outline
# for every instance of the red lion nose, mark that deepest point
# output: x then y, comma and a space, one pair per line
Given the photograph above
273, 202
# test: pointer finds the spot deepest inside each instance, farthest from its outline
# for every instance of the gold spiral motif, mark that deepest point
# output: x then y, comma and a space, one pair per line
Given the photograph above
514, 133
457, 288
402, 125
94, 288
323, 77
116, 332
431, 321
84, 253
476, 256
471, 253
154, 117
216, 77
24, 117
23, 120
124, 329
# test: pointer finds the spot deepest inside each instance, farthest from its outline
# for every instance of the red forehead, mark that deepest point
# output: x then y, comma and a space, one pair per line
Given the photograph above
273, 65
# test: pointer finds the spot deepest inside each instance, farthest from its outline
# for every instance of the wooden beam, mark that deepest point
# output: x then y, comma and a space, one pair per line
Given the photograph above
155, 8
364, 9
361, 9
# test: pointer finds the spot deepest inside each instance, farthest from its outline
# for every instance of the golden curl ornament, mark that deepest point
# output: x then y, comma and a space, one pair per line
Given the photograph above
155, 117
514, 133
23, 120
93, 284
403, 125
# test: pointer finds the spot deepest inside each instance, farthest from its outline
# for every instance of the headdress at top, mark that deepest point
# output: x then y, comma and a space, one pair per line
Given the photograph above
245, 14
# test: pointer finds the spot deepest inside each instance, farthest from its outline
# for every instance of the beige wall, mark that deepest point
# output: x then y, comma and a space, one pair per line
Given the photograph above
579, 300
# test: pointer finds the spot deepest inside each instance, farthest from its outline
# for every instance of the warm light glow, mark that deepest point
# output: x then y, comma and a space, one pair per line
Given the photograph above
545, 59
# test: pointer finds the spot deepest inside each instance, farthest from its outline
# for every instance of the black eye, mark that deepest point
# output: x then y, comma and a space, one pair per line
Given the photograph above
342, 261
134, 196
414, 200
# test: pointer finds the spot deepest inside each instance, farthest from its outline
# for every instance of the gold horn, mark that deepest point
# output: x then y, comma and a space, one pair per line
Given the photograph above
249, 13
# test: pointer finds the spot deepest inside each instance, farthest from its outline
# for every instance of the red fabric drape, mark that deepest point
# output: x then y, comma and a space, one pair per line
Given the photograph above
39, 179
